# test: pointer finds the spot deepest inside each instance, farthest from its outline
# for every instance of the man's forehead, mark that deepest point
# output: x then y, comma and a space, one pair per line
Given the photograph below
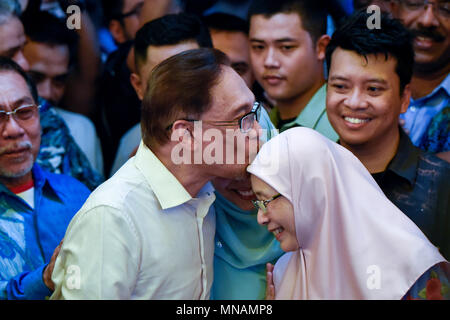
11, 35
45, 57
13, 87
231, 90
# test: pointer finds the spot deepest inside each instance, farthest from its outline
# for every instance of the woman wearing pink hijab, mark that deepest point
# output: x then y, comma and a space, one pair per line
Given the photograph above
344, 239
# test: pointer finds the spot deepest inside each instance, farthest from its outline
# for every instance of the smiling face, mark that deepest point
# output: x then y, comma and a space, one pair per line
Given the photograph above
284, 57
238, 191
279, 217
363, 98
19, 140
432, 35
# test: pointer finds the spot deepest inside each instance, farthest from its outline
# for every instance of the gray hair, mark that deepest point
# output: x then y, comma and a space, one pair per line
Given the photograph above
8, 9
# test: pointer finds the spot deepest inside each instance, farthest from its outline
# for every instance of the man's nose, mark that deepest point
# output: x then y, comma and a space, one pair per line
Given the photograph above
271, 59
355, 100
428, 18
45, 89
11, 128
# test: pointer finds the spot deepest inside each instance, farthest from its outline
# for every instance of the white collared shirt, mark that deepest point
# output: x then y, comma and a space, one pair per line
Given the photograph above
140, 235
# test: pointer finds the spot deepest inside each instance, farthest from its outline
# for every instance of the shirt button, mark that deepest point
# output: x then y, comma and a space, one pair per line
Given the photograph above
219, 244
412, 108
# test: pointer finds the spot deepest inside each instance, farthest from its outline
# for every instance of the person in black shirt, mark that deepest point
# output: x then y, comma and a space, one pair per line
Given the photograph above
368, 87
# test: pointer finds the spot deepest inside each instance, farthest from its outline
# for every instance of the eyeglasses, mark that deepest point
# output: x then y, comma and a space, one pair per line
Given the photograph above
245, 123
20, 114
262, 204
441, 8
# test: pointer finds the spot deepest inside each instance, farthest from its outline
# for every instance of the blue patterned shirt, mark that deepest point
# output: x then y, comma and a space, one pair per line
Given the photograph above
421, 111
29, 236
59, 153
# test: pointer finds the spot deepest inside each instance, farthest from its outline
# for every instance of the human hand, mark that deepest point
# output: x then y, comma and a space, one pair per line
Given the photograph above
47, 275
270, 287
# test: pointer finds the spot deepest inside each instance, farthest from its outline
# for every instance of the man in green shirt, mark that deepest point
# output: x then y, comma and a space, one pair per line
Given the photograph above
287, 48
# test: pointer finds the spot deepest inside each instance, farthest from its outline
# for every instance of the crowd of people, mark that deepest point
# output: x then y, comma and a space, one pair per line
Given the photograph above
222, 149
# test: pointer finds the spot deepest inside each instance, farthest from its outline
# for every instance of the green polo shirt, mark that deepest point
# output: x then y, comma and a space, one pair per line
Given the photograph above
314, 116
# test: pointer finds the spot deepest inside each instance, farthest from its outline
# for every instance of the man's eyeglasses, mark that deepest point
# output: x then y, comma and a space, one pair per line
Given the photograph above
440, 8
245, 123
262, 204
22, 113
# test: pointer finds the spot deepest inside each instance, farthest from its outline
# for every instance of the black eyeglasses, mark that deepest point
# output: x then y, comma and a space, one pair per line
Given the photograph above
262, 204
20, 114
245, 123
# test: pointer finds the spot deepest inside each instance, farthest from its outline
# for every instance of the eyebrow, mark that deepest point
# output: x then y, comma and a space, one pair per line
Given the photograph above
342, 78
20, 102
276, 40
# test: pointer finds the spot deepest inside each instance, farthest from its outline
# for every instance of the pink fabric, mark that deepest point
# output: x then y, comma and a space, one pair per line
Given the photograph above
354, 243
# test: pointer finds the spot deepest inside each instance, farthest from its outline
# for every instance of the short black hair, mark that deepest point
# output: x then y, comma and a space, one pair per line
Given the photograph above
8, 65
392, 40
44, 27
112, 10
312, 13
169, 30
226, 22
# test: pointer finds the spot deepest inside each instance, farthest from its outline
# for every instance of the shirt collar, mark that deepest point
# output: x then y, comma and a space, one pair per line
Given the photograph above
444, 85
40, 179
310, 115
168, 190
314, 109
405, 160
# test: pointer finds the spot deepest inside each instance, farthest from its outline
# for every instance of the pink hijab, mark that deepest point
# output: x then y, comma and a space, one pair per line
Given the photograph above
354, 243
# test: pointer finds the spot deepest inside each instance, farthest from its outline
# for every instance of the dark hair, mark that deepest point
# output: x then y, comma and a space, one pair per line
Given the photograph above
112, 10
226, 22
7, 64
312, 13
179, 87
169, 30
392, 40
44, 27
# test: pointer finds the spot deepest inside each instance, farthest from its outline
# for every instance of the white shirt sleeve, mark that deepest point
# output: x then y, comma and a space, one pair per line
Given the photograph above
99, 258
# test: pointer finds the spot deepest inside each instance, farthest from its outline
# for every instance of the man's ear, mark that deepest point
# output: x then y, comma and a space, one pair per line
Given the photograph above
117, 31
321, 46
183, 133
136, 82
406, 98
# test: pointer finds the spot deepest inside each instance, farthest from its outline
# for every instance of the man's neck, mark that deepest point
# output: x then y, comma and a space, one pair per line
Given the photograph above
13, 183
291, 108
423, 83
376, 156
190, 178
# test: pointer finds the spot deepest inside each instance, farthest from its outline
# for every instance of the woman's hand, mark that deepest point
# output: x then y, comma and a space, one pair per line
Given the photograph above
270, 287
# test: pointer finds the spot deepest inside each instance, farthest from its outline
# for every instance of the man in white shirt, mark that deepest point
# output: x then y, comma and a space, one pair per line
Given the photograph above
148, 232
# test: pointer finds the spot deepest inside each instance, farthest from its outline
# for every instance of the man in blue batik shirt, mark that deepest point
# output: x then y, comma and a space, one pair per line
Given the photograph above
36, 206
427, 118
